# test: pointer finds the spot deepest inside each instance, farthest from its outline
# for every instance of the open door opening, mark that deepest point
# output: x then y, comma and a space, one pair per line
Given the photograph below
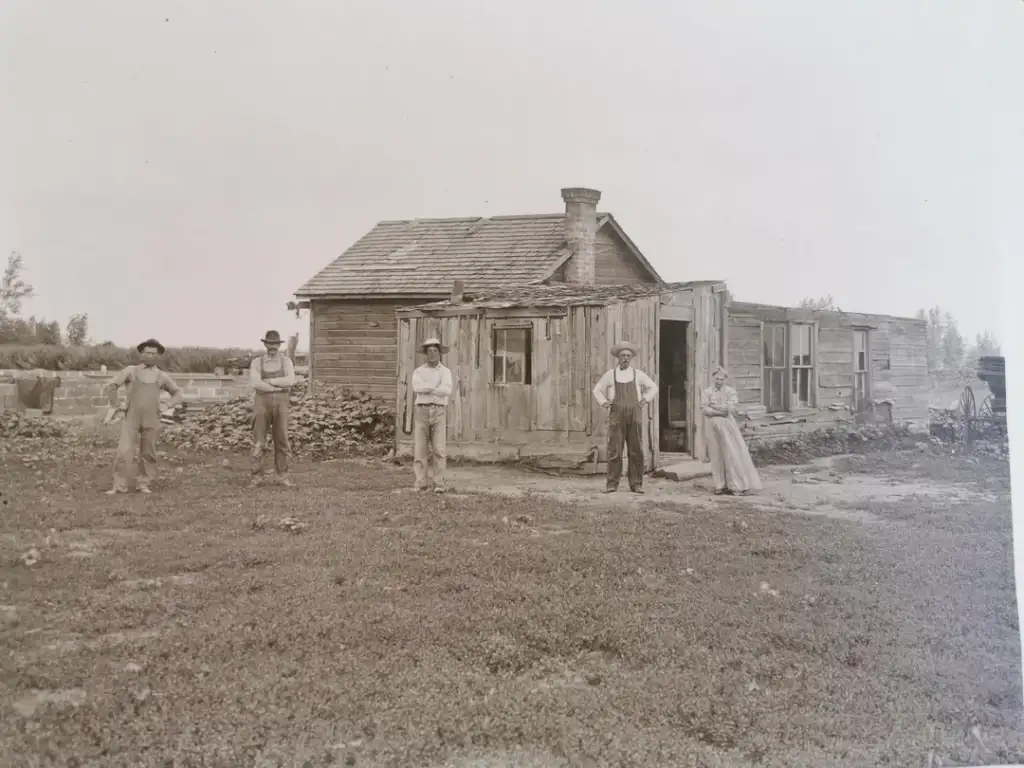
674, 387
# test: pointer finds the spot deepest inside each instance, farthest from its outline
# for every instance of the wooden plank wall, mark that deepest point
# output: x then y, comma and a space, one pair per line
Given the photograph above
635, 321
614, 264
557, 413
355, 345
706, 354
898, 369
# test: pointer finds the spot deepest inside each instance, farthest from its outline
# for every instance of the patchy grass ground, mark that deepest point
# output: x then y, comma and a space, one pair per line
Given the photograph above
508, 629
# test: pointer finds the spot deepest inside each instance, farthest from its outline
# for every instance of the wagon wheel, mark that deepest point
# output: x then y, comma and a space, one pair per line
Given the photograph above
985, 411
968, 413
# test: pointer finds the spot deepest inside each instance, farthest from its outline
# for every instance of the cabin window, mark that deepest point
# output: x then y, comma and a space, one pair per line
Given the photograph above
788, 366
861, 382
512, 355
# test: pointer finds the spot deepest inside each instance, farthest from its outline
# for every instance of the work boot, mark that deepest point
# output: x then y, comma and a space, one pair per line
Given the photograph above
115, 490
256, 481
285, 481
143, 489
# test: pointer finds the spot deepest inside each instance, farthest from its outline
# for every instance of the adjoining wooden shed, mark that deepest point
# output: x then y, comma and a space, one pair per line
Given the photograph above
524, 363
800, 370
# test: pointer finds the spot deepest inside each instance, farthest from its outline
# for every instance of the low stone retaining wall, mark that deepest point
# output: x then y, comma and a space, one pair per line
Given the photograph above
80, 393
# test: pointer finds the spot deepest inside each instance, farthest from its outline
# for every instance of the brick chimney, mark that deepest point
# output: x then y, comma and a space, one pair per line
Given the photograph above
581, 233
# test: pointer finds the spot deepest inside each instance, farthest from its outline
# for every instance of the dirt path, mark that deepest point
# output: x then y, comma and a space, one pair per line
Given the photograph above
817, 489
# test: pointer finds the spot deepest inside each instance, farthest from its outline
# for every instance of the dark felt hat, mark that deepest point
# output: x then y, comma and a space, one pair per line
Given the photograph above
271, 337
151, 343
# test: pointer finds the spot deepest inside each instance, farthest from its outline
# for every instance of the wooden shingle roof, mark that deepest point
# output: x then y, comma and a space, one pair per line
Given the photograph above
424, 256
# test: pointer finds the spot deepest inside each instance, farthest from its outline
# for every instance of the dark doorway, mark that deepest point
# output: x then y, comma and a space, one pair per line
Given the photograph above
674, 387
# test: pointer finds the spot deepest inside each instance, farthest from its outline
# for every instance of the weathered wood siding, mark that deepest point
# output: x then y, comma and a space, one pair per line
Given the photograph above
614, 263
556, 415
897, 370
706, 354
355, 344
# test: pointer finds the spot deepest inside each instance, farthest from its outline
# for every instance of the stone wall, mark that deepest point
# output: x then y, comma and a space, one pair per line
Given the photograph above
80, 394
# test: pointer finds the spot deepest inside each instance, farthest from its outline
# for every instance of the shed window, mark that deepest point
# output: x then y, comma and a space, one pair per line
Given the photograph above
513, 355
788, 366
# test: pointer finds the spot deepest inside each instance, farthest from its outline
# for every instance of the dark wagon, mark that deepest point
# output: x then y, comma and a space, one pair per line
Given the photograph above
992, 412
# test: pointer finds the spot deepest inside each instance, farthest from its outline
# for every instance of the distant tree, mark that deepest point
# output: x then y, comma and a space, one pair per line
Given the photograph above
13, 288
933, 336
953, 346
985, 345
825, 303
77, 332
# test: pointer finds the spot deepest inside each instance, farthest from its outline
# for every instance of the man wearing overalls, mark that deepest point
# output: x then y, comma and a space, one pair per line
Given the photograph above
623, 392
272, 376
141, 422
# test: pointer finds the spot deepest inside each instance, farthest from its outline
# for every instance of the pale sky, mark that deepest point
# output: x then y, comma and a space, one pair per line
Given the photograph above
178, 169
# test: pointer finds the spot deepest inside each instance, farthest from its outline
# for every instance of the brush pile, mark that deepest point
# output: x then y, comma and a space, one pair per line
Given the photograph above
327, 424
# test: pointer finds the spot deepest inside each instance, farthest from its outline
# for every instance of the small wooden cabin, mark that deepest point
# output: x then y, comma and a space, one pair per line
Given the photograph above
524, 363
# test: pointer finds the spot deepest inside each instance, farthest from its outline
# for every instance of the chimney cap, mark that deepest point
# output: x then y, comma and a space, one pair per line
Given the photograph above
580, 195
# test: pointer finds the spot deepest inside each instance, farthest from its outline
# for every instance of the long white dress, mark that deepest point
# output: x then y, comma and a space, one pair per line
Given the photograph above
731, 466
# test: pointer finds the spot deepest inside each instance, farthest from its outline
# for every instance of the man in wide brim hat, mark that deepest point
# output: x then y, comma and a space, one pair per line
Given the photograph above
623, 346
272, 376
433, 342
623, 392
141, 417
432, 386
151, 343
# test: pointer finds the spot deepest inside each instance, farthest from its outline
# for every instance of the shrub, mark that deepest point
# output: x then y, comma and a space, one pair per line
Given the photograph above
91, 358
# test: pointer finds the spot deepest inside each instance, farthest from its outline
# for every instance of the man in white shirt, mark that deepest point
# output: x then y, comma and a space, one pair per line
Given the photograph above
623, 392
272, 376
432, 385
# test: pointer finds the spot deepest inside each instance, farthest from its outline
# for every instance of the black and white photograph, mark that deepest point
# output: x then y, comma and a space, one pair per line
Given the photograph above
467, 384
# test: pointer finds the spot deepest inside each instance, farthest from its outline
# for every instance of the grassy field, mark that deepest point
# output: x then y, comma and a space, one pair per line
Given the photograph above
188, 629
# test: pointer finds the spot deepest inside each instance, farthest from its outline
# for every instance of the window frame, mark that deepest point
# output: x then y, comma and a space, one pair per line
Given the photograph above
505, 328
789, 404
859, 373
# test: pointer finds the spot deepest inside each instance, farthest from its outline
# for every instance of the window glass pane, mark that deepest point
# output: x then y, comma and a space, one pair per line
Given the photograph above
779, 342
861, 362
805, 386
511, 350
801, 344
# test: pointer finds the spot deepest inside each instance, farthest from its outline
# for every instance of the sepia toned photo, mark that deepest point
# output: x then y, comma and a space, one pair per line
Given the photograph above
479, 385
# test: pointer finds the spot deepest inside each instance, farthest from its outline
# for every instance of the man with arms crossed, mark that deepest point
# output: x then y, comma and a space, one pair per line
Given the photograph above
432, 386
272, 376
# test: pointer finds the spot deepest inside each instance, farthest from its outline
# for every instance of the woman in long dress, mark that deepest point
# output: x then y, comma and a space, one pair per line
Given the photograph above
731, 466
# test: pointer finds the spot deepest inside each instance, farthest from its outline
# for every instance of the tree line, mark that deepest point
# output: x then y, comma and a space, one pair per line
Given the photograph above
15, 329
947, 351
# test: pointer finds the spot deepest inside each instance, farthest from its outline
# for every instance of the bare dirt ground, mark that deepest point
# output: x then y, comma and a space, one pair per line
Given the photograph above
860, 612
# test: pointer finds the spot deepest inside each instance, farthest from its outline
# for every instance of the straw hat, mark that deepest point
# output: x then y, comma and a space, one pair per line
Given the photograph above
624, 346
433, 341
